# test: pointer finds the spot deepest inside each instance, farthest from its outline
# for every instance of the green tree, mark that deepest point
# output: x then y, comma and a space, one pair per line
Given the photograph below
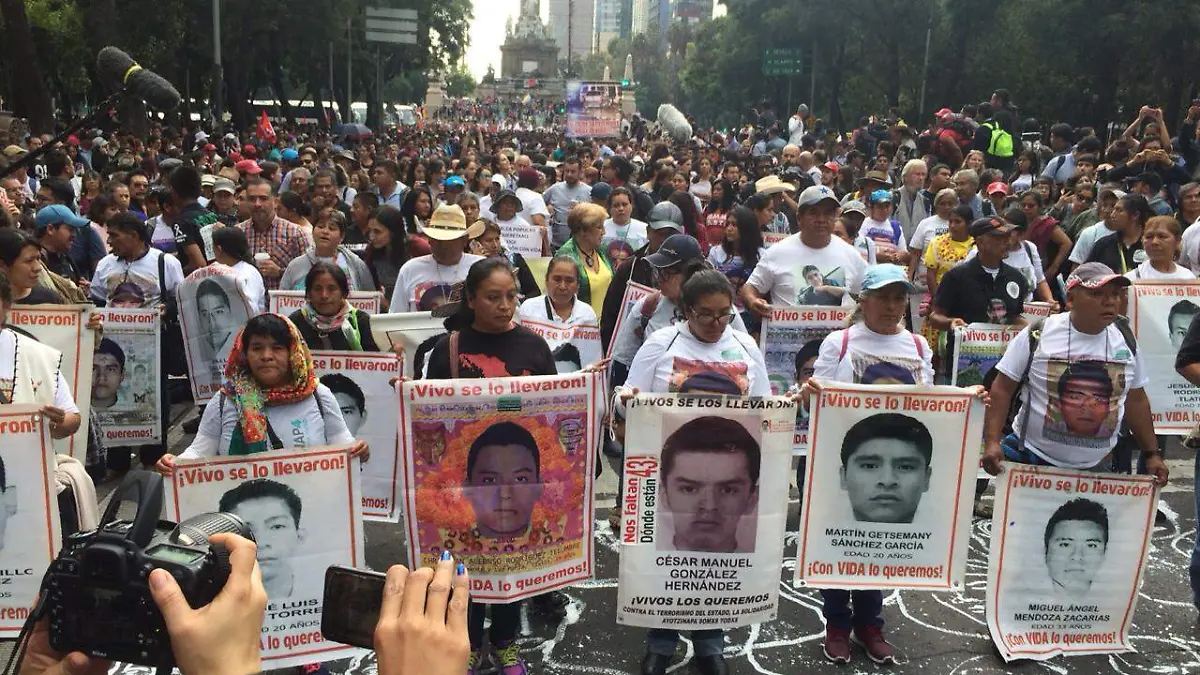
460, 82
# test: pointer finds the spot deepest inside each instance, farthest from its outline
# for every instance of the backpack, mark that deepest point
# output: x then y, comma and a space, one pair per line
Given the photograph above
1035, 338
1000, 143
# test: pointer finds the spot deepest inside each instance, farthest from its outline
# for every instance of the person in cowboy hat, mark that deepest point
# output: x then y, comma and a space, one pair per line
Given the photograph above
768, 199
448, 233
872, 181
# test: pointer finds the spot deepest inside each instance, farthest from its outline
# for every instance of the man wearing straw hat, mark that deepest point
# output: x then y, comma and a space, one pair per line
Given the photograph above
448, 263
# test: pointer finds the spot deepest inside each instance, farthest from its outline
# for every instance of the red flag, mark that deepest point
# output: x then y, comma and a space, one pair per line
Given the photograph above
265, 131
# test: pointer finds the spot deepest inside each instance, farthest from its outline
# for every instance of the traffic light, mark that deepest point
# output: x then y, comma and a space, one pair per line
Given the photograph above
624, 82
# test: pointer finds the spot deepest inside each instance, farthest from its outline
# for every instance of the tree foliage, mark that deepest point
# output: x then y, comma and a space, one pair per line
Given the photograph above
270, 49
460, 82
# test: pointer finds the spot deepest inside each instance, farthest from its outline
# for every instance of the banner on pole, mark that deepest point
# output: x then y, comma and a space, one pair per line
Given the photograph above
890, 486
1066, 560
704, 508
500, 473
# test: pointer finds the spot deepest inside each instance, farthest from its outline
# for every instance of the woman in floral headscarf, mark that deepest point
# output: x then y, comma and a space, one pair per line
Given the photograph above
269, 385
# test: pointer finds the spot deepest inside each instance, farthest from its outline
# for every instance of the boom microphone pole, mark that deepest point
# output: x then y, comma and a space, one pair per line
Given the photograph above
118, 72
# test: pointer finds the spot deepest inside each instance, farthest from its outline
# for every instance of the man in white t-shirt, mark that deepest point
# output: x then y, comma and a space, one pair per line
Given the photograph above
811, 267
446, 265
1084, 379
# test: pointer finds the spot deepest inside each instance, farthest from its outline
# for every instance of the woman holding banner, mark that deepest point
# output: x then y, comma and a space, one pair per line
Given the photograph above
328, 321
717, 358
269, 385
483, 342
560, 304
875, 348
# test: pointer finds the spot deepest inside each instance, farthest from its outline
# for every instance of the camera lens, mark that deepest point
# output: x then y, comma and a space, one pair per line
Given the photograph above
198, 529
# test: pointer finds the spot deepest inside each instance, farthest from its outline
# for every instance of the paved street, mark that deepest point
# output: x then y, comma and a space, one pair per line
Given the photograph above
938, 633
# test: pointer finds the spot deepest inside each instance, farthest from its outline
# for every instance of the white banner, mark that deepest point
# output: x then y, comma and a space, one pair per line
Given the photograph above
1066, 560
521, 238
1037, 310
1161, 313
305, 509
633, 292
212, 308
977, 349
704, 509
64, 327
126, 384
787, 332
500, 473
890, 487
361, 383
574, 346
30, 534
286, 302
409, 330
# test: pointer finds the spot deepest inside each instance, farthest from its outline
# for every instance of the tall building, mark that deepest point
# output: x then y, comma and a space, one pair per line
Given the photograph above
639, 16
577, 17
609, 15
692, 12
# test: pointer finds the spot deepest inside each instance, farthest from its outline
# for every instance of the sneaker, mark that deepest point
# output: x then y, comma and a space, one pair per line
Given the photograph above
837, 645
510, 660
878, 649
473, 661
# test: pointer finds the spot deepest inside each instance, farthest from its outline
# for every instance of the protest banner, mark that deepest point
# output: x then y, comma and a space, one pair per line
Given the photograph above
574, 346
686, 562
286, 302
409, 330
521, 237
1161, 313
787, 332
1037, 310
977, 349
537, 267
593, 109
529, 441
361, 383
772, 238
30, 534
1066, 561
126, 383
305, 510
890, 487
633, 292
64, 327
212, 308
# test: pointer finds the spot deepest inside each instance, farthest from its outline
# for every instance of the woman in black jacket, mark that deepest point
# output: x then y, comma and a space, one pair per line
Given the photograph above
327, 321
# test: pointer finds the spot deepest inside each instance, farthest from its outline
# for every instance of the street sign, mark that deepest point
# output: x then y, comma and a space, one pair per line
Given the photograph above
782, 62
396, 26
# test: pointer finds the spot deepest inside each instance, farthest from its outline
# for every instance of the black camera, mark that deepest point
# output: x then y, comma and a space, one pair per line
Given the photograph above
97, 591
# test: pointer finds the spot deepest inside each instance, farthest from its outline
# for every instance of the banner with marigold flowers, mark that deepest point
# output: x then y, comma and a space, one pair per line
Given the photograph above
500, 473
703, 509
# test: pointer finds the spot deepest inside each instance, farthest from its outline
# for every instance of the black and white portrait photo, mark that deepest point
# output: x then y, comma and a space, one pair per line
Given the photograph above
272, 510
213, 308
1076, 543
886, 467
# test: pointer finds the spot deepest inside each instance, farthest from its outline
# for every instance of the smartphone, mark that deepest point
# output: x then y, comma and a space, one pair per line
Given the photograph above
351, 605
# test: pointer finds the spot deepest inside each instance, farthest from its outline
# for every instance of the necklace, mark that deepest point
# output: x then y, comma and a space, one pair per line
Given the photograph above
589, 259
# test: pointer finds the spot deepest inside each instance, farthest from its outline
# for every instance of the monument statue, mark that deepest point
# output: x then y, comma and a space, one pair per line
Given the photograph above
628, 68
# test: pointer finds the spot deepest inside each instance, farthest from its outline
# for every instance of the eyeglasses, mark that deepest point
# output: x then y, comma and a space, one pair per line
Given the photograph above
708, 318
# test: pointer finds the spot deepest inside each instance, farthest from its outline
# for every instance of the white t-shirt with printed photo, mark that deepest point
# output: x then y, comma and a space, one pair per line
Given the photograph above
834, 273
874, 358
423, 273
1073, 421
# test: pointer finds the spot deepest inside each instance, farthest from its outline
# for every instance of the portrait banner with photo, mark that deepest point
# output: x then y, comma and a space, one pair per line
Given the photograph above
30, 534
633, 292
409, 330
815, 286
977, 349
791, 341
574, 346
64, 327
703, 510
890, 486
305, 510
1161, 314
212, 308
1083, 401
286, 302
125, 377
523, 238
361, 383
1066, 562
500, 473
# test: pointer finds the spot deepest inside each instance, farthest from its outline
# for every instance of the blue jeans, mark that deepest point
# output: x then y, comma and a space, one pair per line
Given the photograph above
662, 641
868, 607
1194, 568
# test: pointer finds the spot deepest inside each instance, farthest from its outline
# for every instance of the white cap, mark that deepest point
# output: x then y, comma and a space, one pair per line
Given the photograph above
816, 194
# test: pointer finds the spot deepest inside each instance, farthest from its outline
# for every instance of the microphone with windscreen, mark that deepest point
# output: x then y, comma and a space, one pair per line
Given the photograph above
118, 71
